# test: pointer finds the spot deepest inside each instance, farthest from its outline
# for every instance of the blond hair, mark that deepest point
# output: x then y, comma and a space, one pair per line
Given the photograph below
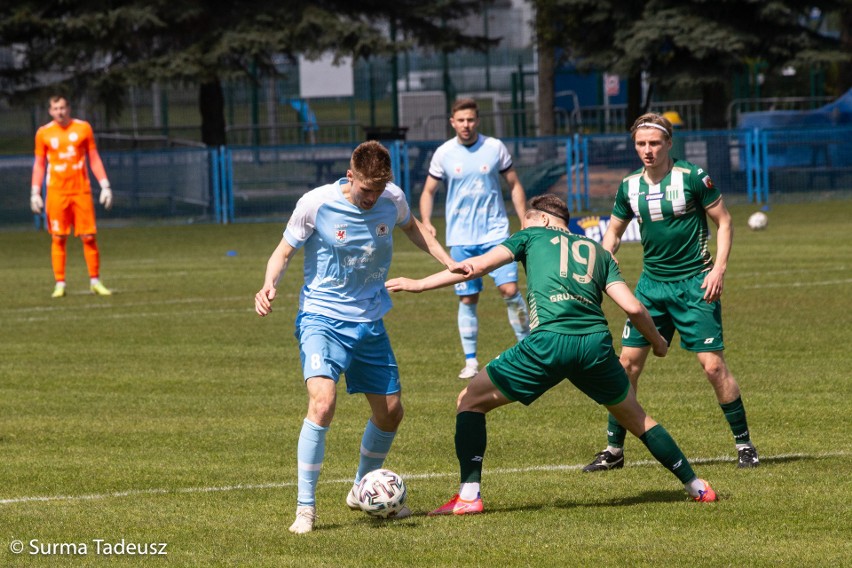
652, 120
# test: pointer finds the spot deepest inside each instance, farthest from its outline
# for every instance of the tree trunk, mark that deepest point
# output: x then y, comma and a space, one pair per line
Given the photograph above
845, 75
211, 103
714, 105
546, 102
634, 99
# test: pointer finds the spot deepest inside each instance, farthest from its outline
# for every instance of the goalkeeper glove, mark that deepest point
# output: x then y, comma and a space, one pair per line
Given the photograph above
36, 202
106, 195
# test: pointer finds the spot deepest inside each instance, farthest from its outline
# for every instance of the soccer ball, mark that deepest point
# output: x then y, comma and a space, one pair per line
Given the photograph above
758, 221
382, 493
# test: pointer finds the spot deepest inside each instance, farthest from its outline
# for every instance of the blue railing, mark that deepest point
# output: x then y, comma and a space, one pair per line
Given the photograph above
238, 184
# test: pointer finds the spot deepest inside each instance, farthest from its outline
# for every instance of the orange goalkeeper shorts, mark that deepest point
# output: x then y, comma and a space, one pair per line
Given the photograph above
63, 211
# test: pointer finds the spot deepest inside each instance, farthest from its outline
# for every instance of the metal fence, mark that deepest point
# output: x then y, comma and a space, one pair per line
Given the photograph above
251, 183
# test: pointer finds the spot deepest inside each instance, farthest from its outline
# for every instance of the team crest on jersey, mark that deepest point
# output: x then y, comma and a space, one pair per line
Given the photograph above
708, 182
458, 169
484, 168
54, 143
340, 235
73, 137
382, 230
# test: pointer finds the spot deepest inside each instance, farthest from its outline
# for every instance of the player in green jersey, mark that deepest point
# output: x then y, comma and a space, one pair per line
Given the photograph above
567, 277
680, 284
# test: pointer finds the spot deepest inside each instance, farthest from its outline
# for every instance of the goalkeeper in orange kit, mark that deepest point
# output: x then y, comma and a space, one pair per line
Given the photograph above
62, 149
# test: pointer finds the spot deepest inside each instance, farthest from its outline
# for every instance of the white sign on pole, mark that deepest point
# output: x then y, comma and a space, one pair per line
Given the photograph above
612, 85
322, 78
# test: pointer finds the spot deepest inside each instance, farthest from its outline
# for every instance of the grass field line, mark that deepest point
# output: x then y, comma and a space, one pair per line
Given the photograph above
430, 475
797, 284
124, 315
87, 307
785, 272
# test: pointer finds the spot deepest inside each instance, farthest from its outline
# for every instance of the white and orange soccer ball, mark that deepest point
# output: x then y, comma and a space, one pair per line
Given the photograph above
382, 493
758, 221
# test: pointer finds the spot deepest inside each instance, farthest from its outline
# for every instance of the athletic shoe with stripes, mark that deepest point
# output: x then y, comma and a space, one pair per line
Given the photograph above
747, 457
458, 506
605, 461
706, 495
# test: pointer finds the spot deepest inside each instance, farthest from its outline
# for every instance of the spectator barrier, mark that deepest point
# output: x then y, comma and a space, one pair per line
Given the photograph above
253, 183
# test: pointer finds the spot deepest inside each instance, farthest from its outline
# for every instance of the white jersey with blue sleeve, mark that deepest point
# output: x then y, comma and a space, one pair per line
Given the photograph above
475, 209
347, 251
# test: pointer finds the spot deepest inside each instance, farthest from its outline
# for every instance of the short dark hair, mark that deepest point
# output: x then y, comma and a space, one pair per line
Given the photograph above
464, 104
56, 98
371, 163
550, 204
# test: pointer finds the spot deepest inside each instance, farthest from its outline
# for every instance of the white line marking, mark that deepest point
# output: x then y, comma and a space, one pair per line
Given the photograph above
797, 284
810, 270
433, 475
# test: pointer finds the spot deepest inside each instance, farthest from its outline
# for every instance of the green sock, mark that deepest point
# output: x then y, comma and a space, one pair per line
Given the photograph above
665, 450
615, 432
735, 414
470, 445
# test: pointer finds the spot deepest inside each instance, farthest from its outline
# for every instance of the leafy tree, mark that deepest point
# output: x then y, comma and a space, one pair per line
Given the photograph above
693, 44
103, 46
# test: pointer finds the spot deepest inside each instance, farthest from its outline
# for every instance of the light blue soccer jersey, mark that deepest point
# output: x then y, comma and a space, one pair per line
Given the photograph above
347, 251
475, 210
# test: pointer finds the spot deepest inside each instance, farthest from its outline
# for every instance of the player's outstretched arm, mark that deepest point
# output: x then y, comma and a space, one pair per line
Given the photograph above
474, 268
639, 316
425, 240
275, 268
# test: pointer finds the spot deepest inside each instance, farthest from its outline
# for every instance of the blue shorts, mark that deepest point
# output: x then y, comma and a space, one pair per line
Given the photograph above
503, 275
361, 350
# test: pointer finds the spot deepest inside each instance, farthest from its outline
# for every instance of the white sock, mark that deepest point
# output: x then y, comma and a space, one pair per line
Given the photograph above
693, 487
614, 451
469, 491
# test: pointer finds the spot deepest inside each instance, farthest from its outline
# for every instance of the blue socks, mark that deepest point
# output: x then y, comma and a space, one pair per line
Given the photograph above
375, 445
311, 451
519, 317
468, 328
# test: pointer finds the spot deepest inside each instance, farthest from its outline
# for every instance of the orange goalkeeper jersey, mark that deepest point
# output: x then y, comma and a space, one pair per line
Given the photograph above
66, 150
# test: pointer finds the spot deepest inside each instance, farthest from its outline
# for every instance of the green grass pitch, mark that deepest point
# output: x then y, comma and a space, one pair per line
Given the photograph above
169, 413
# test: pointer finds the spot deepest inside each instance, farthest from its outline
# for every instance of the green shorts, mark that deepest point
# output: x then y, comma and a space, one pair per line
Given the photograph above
544, 359
678, 306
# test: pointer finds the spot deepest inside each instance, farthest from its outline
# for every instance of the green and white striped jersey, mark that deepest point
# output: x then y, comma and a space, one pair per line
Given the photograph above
672, 219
